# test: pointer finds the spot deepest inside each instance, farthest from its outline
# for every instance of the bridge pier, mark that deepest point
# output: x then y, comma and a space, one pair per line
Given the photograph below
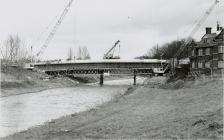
101, 78
135, 72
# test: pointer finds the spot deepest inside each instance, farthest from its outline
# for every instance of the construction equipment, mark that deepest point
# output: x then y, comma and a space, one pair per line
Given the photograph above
110, 53
195, 29
55, 28
174, 62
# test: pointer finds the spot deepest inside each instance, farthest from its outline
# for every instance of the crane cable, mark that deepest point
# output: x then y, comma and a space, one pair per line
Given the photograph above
44, 31
55, 28
195, 29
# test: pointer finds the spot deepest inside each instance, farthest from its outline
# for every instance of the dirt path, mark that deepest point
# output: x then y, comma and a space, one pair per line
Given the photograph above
146, 113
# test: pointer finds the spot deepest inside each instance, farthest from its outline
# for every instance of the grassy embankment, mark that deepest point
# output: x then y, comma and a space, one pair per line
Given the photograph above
193, 111
19, 81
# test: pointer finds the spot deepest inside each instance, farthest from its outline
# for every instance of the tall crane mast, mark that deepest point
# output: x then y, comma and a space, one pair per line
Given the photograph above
55, 28
196, 28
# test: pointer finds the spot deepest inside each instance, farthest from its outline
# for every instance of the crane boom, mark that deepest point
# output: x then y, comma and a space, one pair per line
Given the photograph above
55, 28
107, 55
196, 28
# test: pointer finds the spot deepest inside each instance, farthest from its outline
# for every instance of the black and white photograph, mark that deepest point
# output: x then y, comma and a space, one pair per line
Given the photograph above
111, 69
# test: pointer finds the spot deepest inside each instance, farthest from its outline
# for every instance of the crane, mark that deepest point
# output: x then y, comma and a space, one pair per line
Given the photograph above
110, 53
55, 28
196, 28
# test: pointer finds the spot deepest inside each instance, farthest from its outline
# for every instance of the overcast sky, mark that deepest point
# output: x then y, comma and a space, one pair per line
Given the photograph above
98, 24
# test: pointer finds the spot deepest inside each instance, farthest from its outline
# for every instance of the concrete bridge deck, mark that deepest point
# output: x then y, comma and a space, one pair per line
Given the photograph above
101, 67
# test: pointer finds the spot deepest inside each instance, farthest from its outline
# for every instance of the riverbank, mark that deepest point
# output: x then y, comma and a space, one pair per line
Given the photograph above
152, 113
19, 81
18, 113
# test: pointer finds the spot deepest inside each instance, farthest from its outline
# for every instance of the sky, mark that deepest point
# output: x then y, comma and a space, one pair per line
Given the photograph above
98, 24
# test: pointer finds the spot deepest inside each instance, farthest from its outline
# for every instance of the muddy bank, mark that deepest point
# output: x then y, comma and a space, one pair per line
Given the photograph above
18, 81
149, 113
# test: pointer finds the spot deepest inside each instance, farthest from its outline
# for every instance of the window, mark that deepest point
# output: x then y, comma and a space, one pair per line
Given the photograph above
193, 52
207, 64
200, 64
193, 65
200, 52
207, 51
221, 64
221, 49
215, 56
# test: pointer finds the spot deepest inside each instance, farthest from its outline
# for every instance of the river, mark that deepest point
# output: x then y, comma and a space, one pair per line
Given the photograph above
21, 112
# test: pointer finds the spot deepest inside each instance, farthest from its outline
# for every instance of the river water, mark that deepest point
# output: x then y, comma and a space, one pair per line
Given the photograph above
20, 112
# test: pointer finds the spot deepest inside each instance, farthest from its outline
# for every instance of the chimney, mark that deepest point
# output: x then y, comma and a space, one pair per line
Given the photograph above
219, 27
208, 30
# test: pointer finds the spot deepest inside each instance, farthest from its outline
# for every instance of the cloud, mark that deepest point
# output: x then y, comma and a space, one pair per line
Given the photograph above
139, 24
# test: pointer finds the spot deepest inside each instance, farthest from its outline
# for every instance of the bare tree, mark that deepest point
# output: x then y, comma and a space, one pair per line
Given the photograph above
79, 55
70, 54
166, 51
14, 50
83, 53
13, 43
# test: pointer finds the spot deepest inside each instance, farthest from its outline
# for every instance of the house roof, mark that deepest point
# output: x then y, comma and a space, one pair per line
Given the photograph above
220, 33
213, 35
209, 40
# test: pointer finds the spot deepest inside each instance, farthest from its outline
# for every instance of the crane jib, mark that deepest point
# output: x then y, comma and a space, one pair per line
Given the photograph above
55, 28
196, 28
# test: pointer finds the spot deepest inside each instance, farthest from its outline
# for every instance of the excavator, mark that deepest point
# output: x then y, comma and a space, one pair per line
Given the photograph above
110, 53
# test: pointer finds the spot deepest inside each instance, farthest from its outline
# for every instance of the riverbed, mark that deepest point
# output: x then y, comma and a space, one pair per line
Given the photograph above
21, 112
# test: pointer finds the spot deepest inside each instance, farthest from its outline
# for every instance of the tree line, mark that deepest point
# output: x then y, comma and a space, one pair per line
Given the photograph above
165, 51
14, 51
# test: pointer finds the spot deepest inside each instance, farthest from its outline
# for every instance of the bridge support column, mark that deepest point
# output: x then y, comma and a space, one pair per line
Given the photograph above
101, 78
135, 72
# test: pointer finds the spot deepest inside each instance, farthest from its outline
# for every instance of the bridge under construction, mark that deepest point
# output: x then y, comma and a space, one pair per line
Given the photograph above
122, 67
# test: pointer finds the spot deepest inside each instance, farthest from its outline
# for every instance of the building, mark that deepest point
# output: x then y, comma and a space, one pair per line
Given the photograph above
207, 55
